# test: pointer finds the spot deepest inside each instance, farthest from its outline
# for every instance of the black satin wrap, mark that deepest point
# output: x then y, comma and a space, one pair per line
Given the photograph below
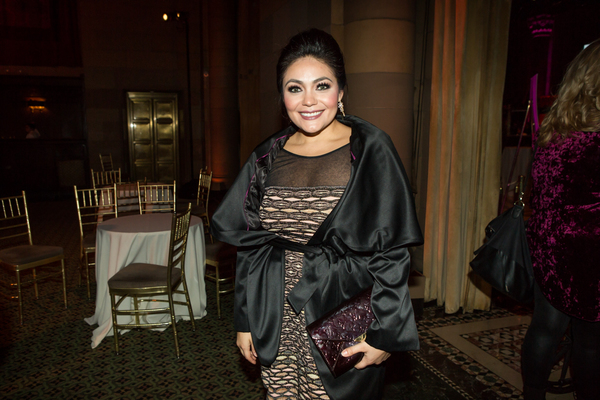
363, 242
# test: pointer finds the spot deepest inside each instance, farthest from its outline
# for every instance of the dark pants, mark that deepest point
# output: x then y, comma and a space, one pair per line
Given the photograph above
546, 331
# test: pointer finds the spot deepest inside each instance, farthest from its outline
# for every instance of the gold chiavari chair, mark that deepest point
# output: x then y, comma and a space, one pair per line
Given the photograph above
201, 207
19, 254
160, 197
93, 207
128, 200
106, 162
141, 282
220, 266
106, 178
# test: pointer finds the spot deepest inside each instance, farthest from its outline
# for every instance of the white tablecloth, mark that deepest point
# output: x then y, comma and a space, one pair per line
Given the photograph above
144, 239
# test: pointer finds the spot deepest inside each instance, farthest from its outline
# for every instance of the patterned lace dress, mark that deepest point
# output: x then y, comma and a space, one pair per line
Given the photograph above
300, 194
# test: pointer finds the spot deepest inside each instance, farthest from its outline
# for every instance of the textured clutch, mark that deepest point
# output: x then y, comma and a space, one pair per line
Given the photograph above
343, 327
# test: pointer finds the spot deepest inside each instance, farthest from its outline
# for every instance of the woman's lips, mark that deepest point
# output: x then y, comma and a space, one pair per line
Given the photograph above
311, 115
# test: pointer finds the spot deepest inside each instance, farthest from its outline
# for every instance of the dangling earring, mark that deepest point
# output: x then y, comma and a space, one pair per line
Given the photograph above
341, 107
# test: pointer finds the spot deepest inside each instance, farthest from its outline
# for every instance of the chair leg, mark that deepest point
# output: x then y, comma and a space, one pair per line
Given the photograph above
113, 311
35, 285
135, 307
189, 305
173, 324
87, 274
81, 264
218, 284
64, 276
20, 297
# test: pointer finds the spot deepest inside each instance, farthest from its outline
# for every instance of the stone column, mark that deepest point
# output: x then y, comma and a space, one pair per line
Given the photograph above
379, 55
223, 122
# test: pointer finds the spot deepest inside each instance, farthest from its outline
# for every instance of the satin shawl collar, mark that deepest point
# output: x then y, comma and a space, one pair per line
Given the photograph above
385, 209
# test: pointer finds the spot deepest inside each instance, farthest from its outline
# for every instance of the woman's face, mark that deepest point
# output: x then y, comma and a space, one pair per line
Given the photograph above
311, 94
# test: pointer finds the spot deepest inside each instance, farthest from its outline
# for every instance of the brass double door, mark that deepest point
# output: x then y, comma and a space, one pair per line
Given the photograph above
153, 128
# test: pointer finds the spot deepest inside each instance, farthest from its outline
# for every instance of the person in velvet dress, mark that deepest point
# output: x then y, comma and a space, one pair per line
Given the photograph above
320, 211
564, 233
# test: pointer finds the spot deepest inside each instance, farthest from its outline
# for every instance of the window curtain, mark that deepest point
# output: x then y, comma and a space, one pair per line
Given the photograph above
470, 41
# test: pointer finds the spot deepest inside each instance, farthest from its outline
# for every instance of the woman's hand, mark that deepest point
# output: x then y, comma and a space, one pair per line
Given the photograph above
244, 342
371, 356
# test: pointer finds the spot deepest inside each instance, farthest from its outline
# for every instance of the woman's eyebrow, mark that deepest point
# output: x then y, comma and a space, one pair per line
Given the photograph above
301, 82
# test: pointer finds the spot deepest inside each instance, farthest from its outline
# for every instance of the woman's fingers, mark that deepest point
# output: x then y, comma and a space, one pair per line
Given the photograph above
244, 343
371, 356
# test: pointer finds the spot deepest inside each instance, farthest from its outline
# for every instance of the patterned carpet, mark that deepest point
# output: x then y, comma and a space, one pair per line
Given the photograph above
51, 357
473, 377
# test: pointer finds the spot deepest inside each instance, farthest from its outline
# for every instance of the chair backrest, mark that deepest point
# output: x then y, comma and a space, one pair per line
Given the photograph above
128, 200
160, 197
14, 221
178, 243
106, 162
95, 206
204, 181
106, 178
208, 239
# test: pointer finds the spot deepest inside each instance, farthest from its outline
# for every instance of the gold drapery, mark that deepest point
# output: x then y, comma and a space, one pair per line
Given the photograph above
469, 62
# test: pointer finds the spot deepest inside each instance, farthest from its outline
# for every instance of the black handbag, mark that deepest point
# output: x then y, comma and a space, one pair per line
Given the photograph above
504, 261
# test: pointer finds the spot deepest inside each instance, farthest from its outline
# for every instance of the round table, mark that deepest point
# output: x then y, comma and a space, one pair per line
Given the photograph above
144, 239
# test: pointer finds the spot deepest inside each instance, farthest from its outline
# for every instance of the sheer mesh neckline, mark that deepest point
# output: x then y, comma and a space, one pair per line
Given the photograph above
292, 170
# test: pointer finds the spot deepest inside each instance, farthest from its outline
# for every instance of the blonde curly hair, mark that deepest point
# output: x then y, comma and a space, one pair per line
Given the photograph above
577, 106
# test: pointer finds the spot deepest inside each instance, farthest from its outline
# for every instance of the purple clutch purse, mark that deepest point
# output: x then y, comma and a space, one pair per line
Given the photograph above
344, 326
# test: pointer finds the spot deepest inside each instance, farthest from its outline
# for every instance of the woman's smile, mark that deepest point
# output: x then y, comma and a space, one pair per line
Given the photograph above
311, 115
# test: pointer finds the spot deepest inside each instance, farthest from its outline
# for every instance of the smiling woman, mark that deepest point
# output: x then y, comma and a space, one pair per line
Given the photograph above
320, 212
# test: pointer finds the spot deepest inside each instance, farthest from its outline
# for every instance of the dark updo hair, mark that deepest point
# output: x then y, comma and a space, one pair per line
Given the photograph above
312, 43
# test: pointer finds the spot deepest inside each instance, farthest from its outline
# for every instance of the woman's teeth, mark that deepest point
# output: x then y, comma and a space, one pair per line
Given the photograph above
311, 114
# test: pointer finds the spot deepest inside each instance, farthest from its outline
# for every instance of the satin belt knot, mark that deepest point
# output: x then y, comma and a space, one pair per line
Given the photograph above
318, 262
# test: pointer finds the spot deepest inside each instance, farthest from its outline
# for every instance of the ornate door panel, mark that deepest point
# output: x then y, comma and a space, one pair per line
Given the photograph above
153, 132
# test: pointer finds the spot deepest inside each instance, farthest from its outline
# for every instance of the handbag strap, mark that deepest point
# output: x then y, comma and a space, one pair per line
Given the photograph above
514, 162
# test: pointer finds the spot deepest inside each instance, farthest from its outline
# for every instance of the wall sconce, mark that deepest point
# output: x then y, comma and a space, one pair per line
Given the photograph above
36, 104
176, 16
